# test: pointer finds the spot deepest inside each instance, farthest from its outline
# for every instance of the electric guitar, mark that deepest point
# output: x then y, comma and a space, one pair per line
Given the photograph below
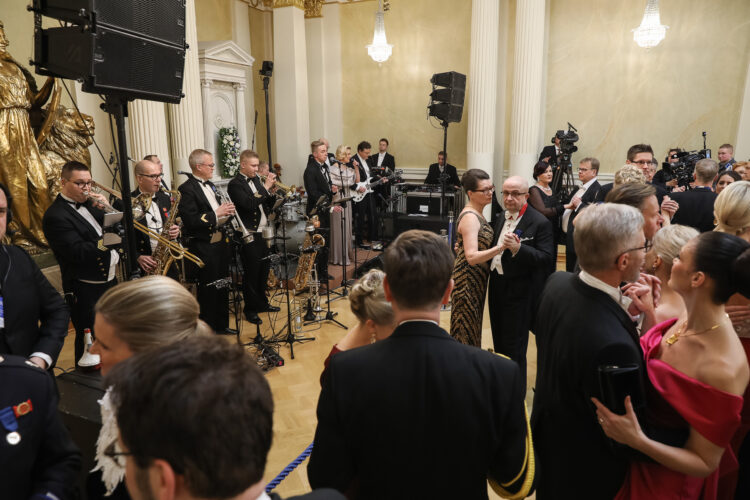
368, 185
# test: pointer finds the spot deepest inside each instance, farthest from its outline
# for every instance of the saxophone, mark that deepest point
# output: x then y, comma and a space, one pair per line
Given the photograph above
307, 261
162, 254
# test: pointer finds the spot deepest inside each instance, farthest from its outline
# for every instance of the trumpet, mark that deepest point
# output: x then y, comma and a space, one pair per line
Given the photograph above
235, 219
177, 250
140, 205
283, 189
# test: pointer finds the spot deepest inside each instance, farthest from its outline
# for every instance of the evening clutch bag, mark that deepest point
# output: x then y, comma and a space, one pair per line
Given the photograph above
616, 382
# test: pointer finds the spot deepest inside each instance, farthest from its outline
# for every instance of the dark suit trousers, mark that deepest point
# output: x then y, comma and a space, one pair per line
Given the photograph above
366, 223
81, 299
255, 274
510, 309
213, 301
571, 259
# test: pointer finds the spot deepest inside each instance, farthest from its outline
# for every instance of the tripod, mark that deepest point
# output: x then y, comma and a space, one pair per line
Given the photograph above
265, 350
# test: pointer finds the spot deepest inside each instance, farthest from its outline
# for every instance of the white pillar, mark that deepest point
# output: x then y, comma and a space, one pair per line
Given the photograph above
241, 36
482, 91
89, 105
147, 126
290, 96
209, 142
186, 118
239, 102
528, 75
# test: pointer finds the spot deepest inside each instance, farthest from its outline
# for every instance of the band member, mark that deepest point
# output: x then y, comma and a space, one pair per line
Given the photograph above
253, 201
148, 175
319, 187
73, 228
203, 213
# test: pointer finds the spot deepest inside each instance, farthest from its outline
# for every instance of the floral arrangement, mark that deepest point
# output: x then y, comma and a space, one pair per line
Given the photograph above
229, 151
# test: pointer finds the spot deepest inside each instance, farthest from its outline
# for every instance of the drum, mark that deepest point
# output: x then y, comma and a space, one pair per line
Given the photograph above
294, 233
293, 211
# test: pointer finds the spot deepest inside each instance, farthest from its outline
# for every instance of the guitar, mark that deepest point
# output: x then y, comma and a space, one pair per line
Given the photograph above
368, 185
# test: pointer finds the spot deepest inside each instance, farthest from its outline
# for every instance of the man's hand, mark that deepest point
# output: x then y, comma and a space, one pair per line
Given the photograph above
270, 181
361, 189
38, 362
174, 231
669, 207
337, 209
512, 242
679, 189
98, 200
225, 209
643, 300
573, 203
147, 263
546, 159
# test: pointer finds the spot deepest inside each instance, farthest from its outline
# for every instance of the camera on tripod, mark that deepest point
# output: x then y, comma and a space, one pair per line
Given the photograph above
562, 180
567, 140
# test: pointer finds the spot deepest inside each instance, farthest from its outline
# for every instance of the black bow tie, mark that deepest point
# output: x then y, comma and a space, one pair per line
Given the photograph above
76, 204
206, 183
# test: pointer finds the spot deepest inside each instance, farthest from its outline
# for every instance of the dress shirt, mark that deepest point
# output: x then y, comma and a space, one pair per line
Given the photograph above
364, 166
381, 157
210, 195
511, 222
114, 256
153, 219
263, 220
613, 291
419, 321
581, 191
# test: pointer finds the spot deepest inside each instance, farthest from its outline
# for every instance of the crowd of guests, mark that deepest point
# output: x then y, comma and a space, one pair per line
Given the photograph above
410, 410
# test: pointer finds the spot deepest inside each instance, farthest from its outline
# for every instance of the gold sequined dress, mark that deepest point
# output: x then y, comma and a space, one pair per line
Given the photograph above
467, 298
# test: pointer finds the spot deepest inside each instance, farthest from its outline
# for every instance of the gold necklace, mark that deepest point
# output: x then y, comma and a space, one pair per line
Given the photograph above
678, 334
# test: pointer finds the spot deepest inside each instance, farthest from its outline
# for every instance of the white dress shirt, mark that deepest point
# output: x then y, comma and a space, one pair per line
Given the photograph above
568, 212
613, 291
263, 220
381, 157
511, 222
365, 166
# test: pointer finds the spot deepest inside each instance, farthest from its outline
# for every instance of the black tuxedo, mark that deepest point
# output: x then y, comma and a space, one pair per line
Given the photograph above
433, 175
255, 268
164, 202
552, 153
45, 460
696, 208
389, 162
36, 318
81, 255
367, 221
514, 295
317, 184
589, 197
578, 328
439, 418
199, 227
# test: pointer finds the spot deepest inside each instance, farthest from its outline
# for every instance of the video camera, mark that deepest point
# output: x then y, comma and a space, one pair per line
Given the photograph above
682, 170
567, 140
562, 179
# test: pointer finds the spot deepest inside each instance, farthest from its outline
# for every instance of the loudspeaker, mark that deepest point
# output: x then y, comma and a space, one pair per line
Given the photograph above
447, 104
432, 223
447, 112
449, 79
134, 49
374, 263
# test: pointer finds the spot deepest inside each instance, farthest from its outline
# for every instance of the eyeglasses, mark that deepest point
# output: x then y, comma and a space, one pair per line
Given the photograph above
83, 184
152, 176
209, 165
514, 194
489, 190
646, 248
111, 451
643, 162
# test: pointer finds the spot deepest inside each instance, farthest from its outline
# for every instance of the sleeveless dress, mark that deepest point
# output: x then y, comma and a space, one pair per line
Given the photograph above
467, 297
687, 402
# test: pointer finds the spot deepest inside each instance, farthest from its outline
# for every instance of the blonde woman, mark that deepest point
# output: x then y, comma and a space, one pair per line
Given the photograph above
344, 175
132, 317
373, 312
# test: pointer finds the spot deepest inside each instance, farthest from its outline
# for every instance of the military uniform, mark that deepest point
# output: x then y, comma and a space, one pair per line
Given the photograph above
38, 459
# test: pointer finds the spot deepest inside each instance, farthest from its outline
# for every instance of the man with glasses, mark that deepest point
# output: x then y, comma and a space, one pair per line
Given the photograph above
642, 156
585, 322
588, 170
73, 228
518, 272
204, 212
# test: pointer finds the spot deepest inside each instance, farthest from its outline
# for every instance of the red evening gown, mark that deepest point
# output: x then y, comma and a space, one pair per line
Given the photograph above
713, 413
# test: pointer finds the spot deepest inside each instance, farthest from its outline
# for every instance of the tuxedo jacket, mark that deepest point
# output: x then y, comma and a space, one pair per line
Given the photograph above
198, 217
439, 418
143, 241
247, 204
388, 161
76, 245
549, 151
45, 460
433, 175
36, 317
696, 208
533, 262
578, 328
316, 184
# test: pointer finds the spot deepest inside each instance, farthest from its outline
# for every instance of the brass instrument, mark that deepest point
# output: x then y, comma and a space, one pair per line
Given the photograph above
162, 254
235, 219
177, 251
282, 189
140, 204
307, 261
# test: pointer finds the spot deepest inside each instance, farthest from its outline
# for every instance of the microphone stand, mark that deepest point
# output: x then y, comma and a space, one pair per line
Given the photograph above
342, 202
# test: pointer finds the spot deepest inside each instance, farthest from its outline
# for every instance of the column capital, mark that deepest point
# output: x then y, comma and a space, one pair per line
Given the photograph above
300, 4
313, 8
206, 82
240, 87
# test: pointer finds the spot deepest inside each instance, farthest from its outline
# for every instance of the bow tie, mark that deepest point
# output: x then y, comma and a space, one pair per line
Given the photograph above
206, 183
76, 204
511, 216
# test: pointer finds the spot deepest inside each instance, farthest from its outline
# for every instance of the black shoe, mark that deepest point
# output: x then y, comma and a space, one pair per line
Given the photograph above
253, 318
227, 331
270, 308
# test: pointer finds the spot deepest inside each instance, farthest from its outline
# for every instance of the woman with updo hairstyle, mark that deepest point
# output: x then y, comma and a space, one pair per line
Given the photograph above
133, 317
666, 246
343, 176
545, 201
698, 373
373, 312
732, 213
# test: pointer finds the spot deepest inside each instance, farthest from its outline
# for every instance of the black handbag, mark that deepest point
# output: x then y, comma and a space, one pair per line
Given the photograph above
617, 382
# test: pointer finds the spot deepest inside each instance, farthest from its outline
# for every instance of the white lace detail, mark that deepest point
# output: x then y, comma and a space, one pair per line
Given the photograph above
113, 470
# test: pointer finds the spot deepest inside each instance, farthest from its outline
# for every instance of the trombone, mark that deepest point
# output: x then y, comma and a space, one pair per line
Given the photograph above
140, 207
282, 189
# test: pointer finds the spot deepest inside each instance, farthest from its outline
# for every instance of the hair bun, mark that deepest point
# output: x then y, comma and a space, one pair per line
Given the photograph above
741, 273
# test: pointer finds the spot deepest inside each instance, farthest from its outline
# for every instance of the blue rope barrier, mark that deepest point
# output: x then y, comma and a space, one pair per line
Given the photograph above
289, 468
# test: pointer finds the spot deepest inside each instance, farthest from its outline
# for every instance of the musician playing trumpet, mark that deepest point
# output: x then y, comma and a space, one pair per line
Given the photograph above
148, 175
253, 201
203, 214
73, 228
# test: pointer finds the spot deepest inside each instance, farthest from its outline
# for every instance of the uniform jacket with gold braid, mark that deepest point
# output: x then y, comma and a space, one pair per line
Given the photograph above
75, 243
247, 204
143, 241
198, 217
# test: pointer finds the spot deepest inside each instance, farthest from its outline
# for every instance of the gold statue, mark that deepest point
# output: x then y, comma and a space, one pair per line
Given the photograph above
21, 166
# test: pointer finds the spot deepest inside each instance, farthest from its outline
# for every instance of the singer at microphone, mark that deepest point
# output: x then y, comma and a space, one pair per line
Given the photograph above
254, 202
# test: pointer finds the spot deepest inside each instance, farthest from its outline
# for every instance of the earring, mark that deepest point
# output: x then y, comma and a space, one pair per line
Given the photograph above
373, 338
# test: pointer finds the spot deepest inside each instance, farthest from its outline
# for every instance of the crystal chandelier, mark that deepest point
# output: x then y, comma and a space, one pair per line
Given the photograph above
380, 50
651, 32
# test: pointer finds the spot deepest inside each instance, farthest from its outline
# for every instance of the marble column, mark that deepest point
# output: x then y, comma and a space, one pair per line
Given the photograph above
186, 118
239, 102
290, 92
482, 89
209, 142
241, 36
526, 114
147, 126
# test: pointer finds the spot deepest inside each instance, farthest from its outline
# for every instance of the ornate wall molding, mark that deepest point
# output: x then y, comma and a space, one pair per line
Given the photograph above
314, 8
300, 4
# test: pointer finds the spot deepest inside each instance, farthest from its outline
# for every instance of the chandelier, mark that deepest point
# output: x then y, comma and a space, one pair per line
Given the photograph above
651, 32
380, 50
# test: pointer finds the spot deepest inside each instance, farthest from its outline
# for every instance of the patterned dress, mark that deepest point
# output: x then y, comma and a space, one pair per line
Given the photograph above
467, 298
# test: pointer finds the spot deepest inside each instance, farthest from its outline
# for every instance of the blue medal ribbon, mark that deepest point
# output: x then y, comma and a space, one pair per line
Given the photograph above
8, 419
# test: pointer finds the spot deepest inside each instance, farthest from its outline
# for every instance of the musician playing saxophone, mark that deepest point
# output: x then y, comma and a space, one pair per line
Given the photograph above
148, 175
253, 201
203, 213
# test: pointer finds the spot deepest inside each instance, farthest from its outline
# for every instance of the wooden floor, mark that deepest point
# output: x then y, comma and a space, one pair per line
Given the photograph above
296, 385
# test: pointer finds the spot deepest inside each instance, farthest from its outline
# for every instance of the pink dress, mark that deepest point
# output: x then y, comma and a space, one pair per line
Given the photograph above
686, 402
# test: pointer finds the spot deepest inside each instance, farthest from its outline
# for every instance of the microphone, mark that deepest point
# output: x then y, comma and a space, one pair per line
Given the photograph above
268, 235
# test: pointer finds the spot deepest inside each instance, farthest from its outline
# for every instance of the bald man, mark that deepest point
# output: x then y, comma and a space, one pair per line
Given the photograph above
518, 273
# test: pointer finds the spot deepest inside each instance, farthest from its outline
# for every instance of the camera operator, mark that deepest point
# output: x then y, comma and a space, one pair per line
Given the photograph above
695, 206
665, 177
551, 154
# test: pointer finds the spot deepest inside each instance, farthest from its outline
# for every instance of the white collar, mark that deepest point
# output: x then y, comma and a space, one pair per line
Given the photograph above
589, 183
418, 321
69, 200
614, 292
